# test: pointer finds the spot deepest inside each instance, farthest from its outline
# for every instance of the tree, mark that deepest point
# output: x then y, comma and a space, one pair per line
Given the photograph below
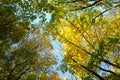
23, 46
30, 54
70, 8
43, 76
52, 76
90, 39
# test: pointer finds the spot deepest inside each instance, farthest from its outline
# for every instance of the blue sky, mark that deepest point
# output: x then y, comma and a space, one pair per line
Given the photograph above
57, 52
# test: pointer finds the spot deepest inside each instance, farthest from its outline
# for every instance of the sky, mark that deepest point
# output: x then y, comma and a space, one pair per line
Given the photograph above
57, 52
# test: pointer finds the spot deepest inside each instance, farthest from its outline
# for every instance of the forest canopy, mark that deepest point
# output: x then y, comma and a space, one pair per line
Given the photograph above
88, 32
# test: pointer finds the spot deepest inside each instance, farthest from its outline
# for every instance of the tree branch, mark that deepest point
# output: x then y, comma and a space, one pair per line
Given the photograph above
73, 44
110, 63
22, 73
82, 35
105, 12
81, 8
93, 72
107, 70
14, 69
68, 2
